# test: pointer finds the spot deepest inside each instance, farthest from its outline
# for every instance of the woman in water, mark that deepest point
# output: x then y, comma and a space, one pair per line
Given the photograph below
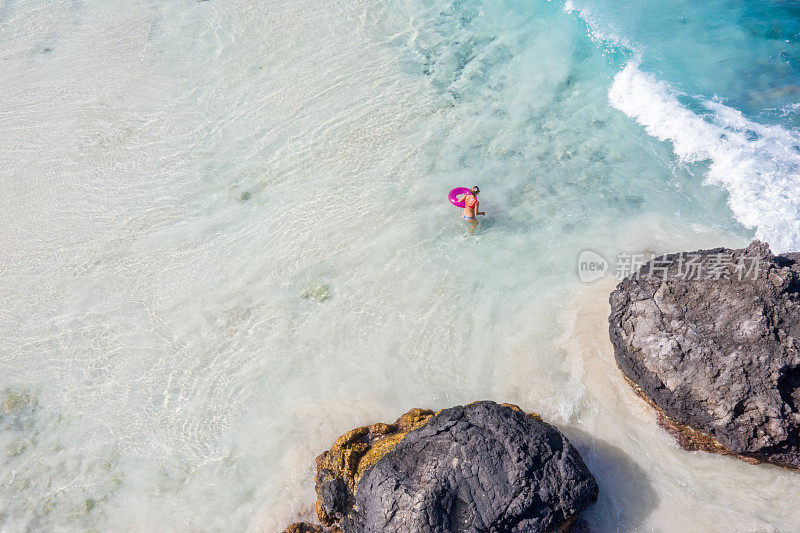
471, 206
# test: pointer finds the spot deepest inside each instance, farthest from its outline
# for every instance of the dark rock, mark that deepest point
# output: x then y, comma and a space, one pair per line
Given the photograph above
581, 527
709, 339
340, 468
480, 467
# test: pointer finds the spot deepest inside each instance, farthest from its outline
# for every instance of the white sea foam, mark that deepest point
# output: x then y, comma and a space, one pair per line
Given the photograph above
759, 165
789, 109
596, 31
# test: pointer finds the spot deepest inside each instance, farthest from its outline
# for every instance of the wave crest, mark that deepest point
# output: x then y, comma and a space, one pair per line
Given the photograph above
759, 165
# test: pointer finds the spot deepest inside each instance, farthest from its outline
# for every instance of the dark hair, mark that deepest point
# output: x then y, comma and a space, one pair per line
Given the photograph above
475, 190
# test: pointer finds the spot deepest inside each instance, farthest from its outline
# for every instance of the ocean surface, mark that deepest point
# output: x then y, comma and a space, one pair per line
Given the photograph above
225, 239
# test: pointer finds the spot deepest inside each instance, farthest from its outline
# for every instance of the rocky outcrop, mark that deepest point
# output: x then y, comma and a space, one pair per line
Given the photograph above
711, 339
340, 468
480, 467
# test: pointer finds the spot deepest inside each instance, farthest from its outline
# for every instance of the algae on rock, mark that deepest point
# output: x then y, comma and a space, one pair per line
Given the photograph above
340, 468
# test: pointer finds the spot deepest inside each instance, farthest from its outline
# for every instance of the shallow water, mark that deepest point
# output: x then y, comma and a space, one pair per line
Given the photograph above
226, 241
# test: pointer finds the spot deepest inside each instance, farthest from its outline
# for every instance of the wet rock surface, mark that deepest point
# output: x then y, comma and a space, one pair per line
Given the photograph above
710, 339
480, 467
340, 468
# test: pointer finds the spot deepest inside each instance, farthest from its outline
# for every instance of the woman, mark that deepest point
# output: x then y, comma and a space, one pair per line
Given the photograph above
471, 206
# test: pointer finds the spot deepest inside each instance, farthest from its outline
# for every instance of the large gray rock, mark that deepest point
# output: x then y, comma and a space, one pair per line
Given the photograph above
480, 467
711, 340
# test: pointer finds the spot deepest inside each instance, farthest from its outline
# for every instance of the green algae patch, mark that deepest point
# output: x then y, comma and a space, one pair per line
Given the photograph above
16, 448
316, 291
16, 402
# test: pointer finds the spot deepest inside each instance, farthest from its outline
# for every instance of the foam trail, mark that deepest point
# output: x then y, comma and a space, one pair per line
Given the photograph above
595, 32
758, 165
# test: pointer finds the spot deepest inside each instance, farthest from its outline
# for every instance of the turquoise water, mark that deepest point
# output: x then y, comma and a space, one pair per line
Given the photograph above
227, 241
745, 53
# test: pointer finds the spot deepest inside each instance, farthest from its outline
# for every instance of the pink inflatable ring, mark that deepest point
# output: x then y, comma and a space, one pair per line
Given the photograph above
453, 194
